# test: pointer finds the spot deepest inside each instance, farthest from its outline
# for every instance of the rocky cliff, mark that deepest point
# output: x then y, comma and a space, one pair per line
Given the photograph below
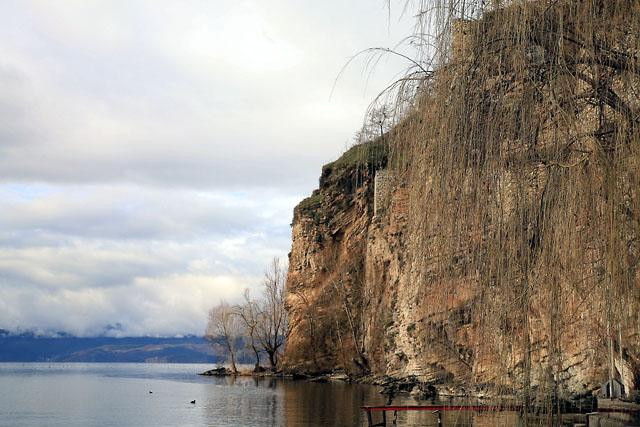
490, 241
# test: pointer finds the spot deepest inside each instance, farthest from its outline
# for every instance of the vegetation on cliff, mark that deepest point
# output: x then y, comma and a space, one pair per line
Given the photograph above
351, 169
512, 258
526, 142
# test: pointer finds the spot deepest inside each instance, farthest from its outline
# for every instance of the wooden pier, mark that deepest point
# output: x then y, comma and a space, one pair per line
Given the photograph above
434, 409
437, 410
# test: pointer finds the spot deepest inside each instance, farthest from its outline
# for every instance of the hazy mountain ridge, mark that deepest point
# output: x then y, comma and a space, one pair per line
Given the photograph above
62, 347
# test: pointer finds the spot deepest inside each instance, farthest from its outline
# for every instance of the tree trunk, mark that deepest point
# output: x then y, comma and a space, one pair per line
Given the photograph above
255, 350
272, 359
233, 357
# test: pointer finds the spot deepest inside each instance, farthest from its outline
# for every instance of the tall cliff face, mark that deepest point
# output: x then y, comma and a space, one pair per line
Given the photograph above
357, 303
491, 240
326, 279
354, 303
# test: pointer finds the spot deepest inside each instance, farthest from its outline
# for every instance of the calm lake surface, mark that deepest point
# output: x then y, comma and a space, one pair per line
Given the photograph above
95, 394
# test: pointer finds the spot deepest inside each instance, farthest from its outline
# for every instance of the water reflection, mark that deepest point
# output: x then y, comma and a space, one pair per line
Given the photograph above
452, 418
275, 402
243, 401
116, 395
495, 419
311, 404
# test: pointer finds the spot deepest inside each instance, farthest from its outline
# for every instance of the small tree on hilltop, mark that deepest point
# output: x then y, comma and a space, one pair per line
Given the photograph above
378, 121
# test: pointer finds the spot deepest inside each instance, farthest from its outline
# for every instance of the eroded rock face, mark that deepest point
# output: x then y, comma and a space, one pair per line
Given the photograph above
503, 253
359, 303
326, 262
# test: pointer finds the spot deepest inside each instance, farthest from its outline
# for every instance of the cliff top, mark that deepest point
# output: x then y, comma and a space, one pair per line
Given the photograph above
345, 172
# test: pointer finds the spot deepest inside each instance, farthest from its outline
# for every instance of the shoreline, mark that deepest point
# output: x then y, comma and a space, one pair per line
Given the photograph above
428, 392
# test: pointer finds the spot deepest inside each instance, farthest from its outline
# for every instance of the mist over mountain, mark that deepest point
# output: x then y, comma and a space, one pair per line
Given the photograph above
33, 346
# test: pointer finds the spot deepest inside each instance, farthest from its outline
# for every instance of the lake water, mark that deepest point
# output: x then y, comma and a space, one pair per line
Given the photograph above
76, 394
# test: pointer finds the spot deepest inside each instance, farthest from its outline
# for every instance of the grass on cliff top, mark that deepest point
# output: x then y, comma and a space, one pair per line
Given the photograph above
372, 154
311, 203
369, 154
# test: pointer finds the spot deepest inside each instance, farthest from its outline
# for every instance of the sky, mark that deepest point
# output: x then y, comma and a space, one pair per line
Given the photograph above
151, 152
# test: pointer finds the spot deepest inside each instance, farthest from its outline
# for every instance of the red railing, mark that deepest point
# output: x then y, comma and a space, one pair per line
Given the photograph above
435, 409
475, 408
438, 409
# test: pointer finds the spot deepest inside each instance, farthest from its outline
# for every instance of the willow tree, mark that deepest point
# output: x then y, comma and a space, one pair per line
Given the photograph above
519, 138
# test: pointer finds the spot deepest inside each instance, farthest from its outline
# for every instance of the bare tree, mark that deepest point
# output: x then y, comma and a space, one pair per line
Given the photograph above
272, 329
249, 313
308, 315
378, 121
224, 324
352, 302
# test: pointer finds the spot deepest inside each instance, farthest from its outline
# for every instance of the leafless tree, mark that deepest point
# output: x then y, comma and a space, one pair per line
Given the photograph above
377, 122
308, 315
272, 329
224, 324
352, 303
249, 314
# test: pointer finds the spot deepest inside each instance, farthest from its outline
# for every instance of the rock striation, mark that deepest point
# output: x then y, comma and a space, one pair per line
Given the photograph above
356, 305
505, 259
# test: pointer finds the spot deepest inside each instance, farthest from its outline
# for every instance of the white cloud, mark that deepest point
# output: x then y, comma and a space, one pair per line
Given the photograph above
79, 258
151, 152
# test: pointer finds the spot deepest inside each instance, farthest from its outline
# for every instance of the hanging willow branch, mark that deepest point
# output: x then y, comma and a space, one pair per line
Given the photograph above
521, 153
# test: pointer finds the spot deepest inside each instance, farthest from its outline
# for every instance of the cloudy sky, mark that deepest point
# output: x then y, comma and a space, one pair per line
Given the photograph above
151, 152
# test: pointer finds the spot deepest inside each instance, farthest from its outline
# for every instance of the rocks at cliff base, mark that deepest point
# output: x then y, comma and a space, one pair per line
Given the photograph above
216, 372
410, 385
423, 391
324, 377
257, 369
299, 376
341, 377
580, 403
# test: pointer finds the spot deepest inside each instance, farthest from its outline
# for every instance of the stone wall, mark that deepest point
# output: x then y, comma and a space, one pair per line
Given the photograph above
382, 190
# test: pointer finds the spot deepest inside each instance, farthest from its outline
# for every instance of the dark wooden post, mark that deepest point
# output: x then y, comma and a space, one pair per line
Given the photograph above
370, 418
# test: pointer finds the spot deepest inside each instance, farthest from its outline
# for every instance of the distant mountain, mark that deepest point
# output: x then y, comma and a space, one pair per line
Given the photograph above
30, 347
